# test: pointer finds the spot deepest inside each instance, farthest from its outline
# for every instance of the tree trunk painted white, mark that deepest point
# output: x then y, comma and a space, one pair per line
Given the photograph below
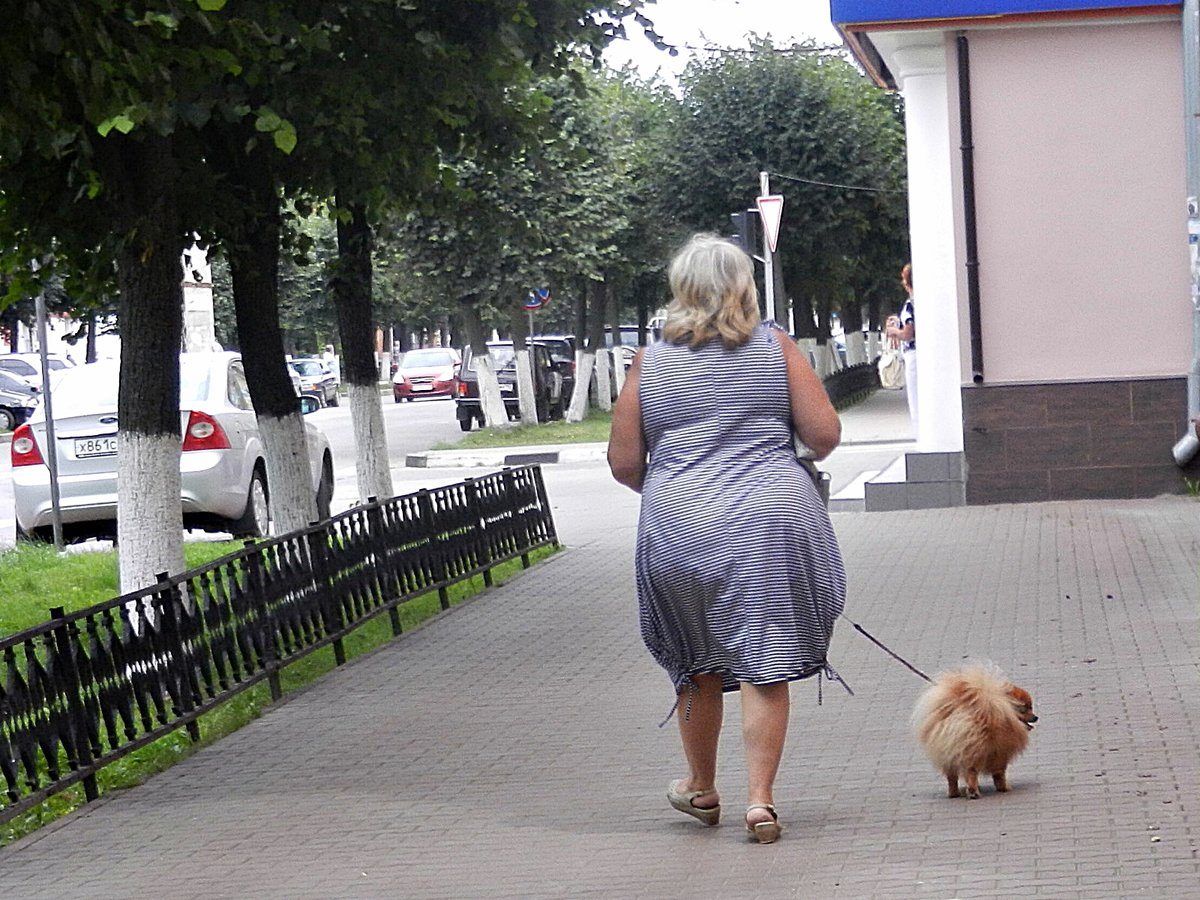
293, 499
494, 413
150, 517
822, 360
526, 395
874, 345
808, 346
618, 364
604, 380
372, 459
585, 362
856, 348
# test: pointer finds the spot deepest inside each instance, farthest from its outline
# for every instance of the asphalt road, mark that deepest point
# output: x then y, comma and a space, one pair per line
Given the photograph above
411, 428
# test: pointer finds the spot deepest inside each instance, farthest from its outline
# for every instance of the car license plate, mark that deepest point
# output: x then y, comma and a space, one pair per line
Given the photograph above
97, 446
422, 387
507, 388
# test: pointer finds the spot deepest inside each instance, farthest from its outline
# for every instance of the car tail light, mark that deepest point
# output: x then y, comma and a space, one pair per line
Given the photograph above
204, 433
24, 449
462, 389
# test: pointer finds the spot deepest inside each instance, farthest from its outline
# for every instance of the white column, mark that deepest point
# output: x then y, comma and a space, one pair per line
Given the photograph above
920, 71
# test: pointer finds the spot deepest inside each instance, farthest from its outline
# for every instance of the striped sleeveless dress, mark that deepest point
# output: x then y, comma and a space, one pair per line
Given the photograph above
738, 569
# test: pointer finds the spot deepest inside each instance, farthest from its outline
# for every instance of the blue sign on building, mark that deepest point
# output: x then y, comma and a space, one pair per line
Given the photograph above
845, 12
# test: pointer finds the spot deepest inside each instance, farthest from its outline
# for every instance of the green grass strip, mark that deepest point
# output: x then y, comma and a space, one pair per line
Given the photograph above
593, 429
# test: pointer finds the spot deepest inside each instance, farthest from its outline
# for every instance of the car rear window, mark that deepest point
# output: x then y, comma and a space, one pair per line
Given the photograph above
307, 367
87, 388
419, 358
93, 386
503, 356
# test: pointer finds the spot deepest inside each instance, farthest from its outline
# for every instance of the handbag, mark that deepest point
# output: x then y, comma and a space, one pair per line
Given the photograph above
891, 369
805, 456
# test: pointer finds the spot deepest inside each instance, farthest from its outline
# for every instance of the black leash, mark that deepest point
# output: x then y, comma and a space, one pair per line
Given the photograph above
896, 656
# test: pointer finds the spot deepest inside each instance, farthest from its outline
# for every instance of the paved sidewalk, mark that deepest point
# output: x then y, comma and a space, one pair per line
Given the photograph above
511, 748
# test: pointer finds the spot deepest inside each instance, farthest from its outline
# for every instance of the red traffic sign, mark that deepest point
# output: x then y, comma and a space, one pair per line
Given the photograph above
770, 211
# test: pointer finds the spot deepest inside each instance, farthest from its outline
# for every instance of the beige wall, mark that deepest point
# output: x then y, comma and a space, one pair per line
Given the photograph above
1079, 162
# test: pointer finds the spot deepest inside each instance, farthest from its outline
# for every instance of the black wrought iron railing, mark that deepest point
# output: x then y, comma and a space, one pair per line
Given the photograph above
846, 387
89, 687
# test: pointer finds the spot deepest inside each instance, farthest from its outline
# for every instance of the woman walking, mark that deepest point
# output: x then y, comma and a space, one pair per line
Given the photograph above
739, 574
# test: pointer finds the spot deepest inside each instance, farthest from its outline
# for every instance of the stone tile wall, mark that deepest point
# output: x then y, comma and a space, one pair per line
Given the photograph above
1071, 441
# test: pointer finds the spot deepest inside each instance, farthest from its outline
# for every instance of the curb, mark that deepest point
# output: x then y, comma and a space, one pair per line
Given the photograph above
507, 456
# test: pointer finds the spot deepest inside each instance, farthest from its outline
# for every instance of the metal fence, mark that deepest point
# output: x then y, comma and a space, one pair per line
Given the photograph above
89, 687
846, 387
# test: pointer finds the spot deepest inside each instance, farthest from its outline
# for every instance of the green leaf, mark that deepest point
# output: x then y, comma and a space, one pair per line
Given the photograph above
285, 136
268, 120
211, 5
120, 122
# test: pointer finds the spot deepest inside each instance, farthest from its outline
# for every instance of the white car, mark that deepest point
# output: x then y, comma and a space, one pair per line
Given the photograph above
29, 366
222, 464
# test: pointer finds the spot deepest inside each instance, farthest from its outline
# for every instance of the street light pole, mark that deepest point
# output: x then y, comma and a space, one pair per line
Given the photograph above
51, 450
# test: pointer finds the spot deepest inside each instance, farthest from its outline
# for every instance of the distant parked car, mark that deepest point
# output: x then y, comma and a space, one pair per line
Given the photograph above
15, 407
15, 384
562, 353
547, 383
426, 372
222, 463
316, 379
29, 365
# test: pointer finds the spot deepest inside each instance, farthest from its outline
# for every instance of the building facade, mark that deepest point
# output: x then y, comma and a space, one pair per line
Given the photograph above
1048, 182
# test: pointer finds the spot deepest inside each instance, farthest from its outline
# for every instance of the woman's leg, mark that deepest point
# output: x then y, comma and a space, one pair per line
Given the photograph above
700, 730
765, 710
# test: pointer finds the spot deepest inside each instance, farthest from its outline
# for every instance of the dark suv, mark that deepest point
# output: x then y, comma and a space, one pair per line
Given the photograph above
547, 383
562, 354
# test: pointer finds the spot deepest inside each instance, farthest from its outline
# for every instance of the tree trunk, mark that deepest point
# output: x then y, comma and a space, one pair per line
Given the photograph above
597, 307
852, 333
616, 357
90, 345
876, 320
495, 414
356, 327
526, 393
141, 175
254, 271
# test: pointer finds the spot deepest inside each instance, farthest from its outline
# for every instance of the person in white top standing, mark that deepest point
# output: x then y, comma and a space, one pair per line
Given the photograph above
902, 330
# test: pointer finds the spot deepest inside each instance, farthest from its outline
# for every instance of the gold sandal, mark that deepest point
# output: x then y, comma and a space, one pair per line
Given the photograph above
682, 801
764, 832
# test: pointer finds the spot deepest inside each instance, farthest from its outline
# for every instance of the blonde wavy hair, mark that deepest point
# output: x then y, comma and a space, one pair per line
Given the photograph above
713, 294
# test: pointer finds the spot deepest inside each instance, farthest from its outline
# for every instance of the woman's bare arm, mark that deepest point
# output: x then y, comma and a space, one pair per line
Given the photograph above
813, 416
626, 444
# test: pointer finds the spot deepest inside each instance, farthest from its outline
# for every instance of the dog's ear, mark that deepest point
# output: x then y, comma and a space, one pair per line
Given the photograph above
1020, 696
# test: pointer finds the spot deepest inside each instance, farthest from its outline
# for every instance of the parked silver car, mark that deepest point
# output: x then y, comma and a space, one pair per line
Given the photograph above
222, 464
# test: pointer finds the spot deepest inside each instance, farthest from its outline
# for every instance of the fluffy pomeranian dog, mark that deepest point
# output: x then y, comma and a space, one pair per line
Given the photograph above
973, 721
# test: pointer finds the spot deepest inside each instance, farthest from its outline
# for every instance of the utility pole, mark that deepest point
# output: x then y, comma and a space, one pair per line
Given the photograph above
51, 440
764, 190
